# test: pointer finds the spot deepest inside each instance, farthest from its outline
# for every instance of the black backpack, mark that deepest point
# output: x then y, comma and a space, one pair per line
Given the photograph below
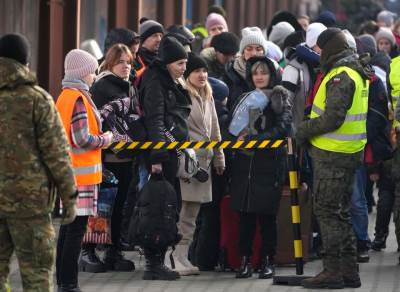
153, 222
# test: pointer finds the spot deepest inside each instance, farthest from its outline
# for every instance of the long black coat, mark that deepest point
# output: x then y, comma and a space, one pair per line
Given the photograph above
258, 175
166, 105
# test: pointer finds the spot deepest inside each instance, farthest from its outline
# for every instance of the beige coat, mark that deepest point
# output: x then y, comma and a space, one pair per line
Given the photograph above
203, 126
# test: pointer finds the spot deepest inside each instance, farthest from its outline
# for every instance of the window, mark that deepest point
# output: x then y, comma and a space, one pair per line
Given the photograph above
22, 16
94, 18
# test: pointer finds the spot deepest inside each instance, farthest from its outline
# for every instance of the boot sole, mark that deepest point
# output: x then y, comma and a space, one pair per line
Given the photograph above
244, 276
352, 285
114, 267
323, 286
89, 269
154, 276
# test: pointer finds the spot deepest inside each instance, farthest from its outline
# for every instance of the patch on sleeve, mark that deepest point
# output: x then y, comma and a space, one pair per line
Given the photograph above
336, 80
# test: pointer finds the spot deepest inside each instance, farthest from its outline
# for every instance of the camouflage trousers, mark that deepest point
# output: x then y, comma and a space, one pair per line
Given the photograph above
33, 240
333, 187
395, 167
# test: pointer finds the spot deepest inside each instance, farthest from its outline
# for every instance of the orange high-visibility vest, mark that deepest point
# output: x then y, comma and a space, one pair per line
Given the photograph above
86, 163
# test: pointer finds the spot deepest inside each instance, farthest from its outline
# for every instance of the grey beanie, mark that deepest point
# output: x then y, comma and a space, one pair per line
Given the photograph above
253, 36
387, 17
366, 44
149, 27
385, 33
279, 32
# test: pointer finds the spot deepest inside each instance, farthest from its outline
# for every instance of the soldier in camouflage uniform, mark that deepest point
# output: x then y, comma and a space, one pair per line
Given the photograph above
34, 161
336, 158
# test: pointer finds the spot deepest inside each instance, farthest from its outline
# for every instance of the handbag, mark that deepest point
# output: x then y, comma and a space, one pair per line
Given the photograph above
98, 229
188, 165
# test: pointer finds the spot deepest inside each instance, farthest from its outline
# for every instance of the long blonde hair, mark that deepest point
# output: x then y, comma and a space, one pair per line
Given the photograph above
205, 92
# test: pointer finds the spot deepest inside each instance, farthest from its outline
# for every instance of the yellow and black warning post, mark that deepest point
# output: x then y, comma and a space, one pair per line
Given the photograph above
297, 242
294, 185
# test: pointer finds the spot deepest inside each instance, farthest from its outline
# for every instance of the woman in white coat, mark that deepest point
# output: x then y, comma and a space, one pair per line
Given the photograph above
203, 126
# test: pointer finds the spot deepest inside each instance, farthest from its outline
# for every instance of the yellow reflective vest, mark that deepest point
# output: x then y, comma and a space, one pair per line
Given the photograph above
351, 136
394, 79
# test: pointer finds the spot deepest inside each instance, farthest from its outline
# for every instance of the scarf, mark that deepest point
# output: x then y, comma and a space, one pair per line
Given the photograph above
81, 86
240, 66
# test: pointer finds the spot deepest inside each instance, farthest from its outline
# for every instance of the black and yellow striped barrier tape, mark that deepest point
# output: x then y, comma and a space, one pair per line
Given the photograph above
251, 144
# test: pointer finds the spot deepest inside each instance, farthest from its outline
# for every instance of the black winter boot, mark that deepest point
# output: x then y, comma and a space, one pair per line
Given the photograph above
156, 270
89, 261
379, 242
245, 270
363, 247
267, 268
115, 261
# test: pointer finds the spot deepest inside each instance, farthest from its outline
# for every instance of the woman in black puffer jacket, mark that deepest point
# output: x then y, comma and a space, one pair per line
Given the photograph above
166, 106
258, 175
115, 83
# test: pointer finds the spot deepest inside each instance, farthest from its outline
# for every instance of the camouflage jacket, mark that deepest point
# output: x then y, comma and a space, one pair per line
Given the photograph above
34, 157
339, 99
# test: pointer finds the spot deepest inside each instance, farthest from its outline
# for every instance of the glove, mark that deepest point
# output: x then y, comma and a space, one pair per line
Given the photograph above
69, 212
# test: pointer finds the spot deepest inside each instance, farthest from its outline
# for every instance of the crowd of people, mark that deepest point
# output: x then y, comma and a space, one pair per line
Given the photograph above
333, 91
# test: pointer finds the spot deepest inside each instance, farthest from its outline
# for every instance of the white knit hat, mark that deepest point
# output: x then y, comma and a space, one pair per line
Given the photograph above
279, 32
313, 32
79, 64
252, 36
350, 39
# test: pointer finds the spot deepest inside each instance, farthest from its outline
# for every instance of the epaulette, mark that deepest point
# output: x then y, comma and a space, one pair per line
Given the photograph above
42, 92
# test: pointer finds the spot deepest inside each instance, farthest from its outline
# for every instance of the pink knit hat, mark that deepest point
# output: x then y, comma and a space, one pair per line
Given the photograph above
79, 64
215, 19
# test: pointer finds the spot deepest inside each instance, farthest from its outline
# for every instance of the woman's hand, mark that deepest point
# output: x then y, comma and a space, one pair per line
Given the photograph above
374, 177
219, 170
156, 168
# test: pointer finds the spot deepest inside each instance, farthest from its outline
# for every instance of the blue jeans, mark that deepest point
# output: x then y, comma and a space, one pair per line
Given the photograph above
143, 175
359, 208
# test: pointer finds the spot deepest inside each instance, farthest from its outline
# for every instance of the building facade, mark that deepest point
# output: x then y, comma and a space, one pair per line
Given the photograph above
56, 26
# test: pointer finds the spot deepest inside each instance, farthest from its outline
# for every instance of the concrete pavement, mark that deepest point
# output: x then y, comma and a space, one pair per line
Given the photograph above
381, 274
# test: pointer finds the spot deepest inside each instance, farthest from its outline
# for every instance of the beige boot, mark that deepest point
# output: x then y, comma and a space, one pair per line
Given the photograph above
179, 266
181, 252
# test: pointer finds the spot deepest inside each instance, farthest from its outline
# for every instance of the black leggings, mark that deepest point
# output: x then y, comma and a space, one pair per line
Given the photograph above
248, 224
68, 249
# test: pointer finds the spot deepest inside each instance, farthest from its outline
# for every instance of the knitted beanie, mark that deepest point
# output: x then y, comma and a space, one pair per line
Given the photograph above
15, 46
252, 36
194, 62
120, 36
279, 32
79, 64
214, 19
313, 32
350, 39
366, 44
219, 88
149, 27
171, 50
385, 33
386, 17
226, 43
327, 18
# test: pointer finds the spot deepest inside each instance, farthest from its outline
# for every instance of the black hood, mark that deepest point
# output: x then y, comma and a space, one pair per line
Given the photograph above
276, 76
349, 59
